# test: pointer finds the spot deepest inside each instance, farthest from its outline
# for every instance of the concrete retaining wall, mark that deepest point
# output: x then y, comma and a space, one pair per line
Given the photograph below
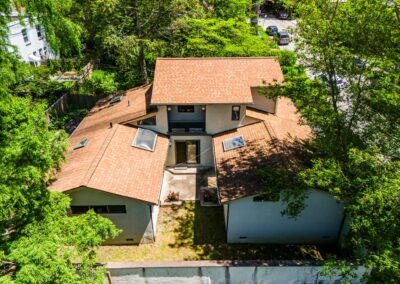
196, 272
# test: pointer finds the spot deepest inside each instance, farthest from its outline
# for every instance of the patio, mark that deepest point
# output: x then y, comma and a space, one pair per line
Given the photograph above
187, 182
193, 232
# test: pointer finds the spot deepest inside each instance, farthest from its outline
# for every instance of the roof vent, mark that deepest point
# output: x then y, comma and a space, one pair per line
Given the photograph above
145, 139
81, 144
233, 143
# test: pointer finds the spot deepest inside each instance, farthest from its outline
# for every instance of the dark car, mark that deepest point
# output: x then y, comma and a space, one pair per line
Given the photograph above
282, 14
282, 38
272, 30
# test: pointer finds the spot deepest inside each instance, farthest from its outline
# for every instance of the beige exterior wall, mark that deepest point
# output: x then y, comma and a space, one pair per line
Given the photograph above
136, 222
206, 150
263, 103
219, 118
162, 119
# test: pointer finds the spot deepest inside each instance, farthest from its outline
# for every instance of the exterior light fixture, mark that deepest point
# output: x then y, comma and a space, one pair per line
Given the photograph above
169, 108
203, 108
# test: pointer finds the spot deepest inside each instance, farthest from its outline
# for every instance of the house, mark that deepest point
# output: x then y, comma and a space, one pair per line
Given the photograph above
28, 40
198, 113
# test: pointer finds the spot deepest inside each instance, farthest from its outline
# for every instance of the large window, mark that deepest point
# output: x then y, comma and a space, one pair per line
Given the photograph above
185, 108
148, 121
25, 35
100, 209
266, 198
235, 112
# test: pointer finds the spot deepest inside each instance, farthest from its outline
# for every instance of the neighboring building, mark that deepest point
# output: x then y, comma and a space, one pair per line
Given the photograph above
29, 41
198, 113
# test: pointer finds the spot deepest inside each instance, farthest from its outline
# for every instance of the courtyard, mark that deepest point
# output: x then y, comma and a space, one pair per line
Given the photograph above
193, 232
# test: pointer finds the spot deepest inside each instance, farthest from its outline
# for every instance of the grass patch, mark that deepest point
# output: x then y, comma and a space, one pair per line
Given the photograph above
192, 232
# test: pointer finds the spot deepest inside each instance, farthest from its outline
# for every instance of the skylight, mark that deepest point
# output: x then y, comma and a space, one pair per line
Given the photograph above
233, 143
116, 99
145, 139
81, 144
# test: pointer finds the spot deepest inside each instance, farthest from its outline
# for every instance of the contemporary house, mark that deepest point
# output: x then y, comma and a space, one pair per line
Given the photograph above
28, 40
198, 113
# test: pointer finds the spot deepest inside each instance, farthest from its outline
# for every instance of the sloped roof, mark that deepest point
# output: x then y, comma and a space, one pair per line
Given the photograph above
271, 140
108, 162
212, 80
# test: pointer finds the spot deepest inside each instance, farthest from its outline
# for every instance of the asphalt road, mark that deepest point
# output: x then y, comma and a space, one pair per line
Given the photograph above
283, 25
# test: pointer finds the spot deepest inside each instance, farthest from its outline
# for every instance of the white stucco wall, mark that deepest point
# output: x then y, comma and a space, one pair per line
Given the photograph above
262, 222
162, 119
261, 102
206, 151
213, 274
219, 118
35, 43
135, 223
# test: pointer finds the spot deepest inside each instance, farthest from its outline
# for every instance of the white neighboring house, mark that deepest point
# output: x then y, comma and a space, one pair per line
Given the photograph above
29, 41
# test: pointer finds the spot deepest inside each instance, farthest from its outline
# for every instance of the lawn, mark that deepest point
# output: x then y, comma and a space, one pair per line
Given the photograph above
192, 232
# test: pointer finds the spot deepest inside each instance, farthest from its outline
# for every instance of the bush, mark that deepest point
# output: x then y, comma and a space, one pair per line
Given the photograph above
102, 83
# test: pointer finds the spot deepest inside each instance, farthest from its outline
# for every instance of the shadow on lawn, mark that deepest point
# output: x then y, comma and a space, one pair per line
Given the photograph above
203, 229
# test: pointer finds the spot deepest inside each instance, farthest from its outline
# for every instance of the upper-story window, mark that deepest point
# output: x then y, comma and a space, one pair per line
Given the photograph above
25, 35
185, 108
235, 112
148, 121
39, 32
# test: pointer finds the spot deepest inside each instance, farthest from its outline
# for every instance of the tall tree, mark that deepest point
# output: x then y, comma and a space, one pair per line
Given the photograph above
352, 49
38, 241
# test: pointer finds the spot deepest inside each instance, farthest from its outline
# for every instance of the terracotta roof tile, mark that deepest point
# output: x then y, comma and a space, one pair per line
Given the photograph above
83, 166
272, 140
212, 80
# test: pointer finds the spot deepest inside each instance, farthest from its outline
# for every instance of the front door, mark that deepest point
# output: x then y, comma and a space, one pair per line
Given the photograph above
187, 152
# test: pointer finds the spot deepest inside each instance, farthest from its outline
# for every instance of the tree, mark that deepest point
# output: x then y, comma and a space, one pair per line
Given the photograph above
356, 122
38, 240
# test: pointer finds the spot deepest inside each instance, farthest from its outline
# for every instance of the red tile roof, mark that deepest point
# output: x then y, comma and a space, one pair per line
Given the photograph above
108, 162
269, 141
212, 80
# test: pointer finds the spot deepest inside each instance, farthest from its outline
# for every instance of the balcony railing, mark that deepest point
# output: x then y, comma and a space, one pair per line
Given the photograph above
187, 127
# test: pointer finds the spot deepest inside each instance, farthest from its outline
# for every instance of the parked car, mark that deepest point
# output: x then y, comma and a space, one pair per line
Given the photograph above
271, 30
282, 14
359, 63
282, 38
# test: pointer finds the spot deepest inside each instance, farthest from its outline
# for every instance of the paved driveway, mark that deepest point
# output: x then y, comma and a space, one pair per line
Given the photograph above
283, 25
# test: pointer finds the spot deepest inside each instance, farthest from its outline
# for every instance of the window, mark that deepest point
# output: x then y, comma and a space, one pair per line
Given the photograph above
81, 144
145, 139
25, 35
266, 198
148, 121
79, 209
235, 112
116, 209
39, 32
185, 108
100, 209
233, 143
116, 99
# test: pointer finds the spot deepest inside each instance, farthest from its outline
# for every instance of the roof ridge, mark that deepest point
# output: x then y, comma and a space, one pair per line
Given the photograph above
96, 160
230, 130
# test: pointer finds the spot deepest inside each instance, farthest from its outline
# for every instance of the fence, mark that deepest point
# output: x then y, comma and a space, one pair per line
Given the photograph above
202, 272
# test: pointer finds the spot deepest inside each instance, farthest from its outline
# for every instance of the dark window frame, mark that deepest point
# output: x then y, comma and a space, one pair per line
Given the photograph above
186, 108
266, 198
107, 209
150, 121
25, 36
235, 115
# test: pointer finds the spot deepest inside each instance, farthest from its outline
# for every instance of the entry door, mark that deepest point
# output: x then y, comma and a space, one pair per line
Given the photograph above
187, 152
181, 156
